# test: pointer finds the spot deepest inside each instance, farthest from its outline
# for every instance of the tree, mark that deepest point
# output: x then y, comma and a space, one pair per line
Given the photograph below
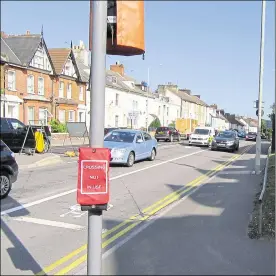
263, 126
155, 123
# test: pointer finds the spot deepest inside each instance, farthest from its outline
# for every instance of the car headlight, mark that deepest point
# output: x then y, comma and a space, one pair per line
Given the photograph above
230, 142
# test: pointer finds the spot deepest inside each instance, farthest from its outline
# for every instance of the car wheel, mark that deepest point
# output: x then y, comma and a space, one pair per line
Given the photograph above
152, 155
171, 138
46, 146
130, 159
238, 146
5, 184
157, 140
179, 138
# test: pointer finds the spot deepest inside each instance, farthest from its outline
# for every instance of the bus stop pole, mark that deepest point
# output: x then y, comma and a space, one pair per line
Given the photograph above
97, 112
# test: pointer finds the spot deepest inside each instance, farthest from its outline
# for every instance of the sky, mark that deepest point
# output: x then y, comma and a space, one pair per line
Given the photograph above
209, 47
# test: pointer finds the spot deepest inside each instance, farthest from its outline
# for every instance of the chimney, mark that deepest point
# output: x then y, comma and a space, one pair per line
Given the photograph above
198, 96
28, 32
222, 112
118, 68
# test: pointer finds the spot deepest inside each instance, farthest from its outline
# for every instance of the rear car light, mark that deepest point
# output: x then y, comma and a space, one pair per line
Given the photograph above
168, 132
246, 136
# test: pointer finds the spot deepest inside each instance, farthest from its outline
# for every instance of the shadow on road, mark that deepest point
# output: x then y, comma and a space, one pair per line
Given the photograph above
204, 235
21, 258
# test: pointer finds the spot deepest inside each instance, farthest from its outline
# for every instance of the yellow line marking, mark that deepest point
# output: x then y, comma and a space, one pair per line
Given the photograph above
174, 196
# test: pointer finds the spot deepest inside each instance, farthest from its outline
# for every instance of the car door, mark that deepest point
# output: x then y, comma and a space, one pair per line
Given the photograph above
139, 147
20, 131
6, 133
148, 144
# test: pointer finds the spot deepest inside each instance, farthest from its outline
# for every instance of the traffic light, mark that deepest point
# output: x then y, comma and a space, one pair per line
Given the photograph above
125, 28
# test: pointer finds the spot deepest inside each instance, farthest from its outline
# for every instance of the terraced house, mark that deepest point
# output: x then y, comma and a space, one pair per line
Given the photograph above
29, 84
69, 87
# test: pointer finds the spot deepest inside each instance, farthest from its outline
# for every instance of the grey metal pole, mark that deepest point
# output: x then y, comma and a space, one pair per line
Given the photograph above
148, 99
97, 112
261, 71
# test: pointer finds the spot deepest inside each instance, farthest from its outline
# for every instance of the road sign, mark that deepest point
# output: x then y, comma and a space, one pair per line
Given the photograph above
257, 113
93, 176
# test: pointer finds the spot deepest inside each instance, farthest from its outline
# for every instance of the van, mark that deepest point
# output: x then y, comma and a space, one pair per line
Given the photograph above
202, 136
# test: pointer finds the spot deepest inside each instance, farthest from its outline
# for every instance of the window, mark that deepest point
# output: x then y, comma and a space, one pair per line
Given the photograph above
61, 89
71, 116
38, 60
114, 79
61, 116
69, 91
16, 123
116, 121
147, 136
4, 126
117, 99
81, 116
139, 137
42, 116
11, 111
81, 93
31, 114
40, 86
30, 84
11, 80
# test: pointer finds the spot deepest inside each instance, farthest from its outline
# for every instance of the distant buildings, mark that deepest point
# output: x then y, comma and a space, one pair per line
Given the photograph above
41, 84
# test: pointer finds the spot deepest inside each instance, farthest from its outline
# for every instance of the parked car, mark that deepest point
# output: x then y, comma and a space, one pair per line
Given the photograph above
251, 136
109, 129
13, 133
167, 134
202, 136
226, 140
9, 169
241, 134
128, 146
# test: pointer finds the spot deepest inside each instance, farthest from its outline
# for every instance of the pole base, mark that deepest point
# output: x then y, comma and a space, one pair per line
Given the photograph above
100, 207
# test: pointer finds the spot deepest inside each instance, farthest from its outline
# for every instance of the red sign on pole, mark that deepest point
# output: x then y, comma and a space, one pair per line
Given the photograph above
93, 176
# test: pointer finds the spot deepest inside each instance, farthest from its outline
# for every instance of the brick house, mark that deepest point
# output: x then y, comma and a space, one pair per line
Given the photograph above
28, 78
32, 79
69, 87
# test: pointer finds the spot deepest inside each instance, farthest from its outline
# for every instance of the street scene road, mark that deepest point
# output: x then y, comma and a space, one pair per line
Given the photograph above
190, 203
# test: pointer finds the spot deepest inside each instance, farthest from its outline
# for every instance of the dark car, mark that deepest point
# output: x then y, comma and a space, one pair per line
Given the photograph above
167, 134
109, 129
251, 136
13, 132
226, 140
9, 169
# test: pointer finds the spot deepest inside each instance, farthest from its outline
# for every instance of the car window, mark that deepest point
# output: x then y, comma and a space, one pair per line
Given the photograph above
16, 123
139, 136
4, 126
120, 136
227, 134
251, 133
146, 136
202, 131
162, 129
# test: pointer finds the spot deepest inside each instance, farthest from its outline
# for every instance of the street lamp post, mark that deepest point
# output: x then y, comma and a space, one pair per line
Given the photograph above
261, 71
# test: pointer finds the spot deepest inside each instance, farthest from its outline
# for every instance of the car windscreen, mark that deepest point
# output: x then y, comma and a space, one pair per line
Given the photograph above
159, 129
120, 136
201, 131
226, 135
252, 133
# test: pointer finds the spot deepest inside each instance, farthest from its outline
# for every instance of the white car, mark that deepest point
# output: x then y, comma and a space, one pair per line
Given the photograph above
201, 136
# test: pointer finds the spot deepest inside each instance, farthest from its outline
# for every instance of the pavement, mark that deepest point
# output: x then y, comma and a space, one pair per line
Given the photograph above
185, 213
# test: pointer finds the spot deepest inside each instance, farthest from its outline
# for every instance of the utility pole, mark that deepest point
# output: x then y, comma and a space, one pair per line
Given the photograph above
147, 118
261, 71
97, 112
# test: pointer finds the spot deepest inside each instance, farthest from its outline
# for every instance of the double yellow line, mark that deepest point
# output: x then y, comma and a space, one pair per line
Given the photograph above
135, 220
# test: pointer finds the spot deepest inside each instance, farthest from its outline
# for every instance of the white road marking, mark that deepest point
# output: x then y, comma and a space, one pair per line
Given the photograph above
50, 223
37, 202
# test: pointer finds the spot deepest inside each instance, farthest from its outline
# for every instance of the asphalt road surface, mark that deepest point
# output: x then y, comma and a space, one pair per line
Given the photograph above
145, 231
